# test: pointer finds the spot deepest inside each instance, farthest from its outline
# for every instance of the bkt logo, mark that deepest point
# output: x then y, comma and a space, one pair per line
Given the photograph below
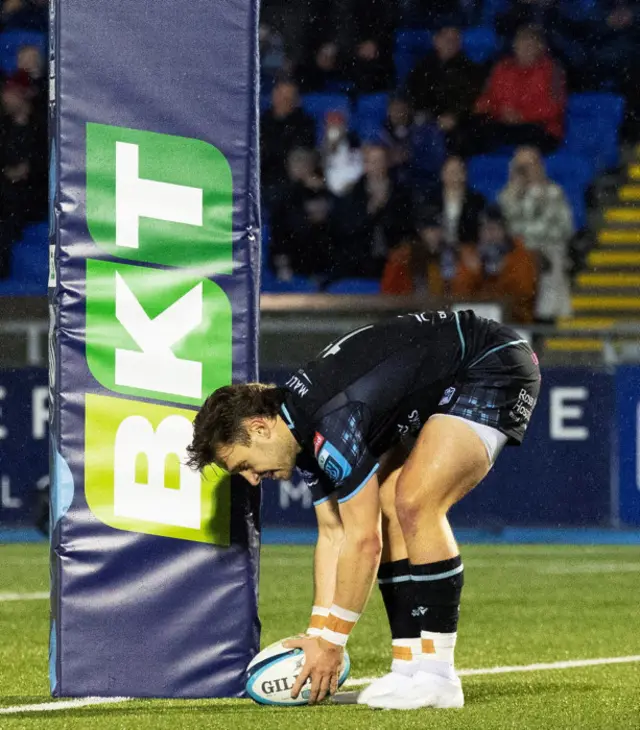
162, 333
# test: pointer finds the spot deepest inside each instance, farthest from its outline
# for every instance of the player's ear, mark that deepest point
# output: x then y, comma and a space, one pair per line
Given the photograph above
259, 426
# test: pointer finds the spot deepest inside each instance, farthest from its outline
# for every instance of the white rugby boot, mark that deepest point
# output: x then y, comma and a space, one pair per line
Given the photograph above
386, 686
421, 690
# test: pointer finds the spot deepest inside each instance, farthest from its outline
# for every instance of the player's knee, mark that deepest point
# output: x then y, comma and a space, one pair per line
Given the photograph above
413, 504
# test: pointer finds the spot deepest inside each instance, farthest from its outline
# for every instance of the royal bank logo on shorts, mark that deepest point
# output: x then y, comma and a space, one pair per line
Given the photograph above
157, 327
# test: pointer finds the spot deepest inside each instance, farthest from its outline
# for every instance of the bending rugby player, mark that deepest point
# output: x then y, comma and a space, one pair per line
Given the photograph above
400, 419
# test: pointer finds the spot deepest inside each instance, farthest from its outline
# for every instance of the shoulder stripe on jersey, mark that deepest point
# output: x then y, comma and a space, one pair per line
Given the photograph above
463, 344
287, 415
361, 485
495, 349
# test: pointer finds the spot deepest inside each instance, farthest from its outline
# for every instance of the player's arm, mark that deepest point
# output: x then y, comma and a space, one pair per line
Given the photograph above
360, 554
325, 561
357, 566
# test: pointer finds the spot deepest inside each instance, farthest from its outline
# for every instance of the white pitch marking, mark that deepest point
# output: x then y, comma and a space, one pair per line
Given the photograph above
64, 705
570, 664
39, 596
591, 568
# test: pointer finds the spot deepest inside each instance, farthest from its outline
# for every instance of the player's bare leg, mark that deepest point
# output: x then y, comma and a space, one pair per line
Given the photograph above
395, 585
447, 461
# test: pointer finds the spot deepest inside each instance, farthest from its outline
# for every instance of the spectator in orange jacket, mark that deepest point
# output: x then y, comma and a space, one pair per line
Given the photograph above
505, 268
499, 267
524, 100
424, 262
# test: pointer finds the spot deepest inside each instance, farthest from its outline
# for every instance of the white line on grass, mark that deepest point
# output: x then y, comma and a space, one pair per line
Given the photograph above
39, 596
73, 704
571, 664
65, 705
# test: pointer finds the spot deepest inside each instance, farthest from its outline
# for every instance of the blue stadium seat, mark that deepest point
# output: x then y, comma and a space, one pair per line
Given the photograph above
371, 111
410, 45
14, 287
480, 44
354, 286
564, 165
37, 234
488, 174
10, 43
30, 263
297, 285
574, 173
593, 123
317, 106
491, 9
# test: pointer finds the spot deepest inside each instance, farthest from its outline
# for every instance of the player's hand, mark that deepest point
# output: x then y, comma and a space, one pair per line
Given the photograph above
322, 663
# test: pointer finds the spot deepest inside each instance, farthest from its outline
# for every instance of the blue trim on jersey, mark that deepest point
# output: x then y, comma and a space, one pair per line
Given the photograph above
495, 349
366, 479
321, 501
287, 415
438, 576
462, 342
395, 579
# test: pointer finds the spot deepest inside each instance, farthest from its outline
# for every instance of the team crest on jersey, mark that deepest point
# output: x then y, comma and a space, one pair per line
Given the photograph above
318, 440
447, 396
332, 463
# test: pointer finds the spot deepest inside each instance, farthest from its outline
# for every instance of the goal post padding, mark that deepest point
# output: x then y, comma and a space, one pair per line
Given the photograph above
154, 286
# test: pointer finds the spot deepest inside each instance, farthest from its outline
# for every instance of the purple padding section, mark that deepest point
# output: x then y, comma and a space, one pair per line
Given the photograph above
134, 614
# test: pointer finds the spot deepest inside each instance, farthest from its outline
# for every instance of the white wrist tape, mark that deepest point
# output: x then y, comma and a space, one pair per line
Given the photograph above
339, 625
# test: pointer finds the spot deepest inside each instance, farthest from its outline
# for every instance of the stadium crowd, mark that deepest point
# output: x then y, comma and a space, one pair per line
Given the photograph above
23, 125
386, 195
373, 115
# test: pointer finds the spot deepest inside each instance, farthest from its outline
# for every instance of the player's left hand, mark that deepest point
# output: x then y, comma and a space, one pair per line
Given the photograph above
322, 663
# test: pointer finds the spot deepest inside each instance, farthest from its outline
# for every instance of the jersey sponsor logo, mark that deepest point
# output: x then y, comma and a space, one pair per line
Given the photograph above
297, 386
305, 376
524, 407
333, 463
413, 425
318, 440
447, 396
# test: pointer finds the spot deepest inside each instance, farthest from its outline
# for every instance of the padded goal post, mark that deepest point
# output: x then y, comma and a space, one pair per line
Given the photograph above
154, 287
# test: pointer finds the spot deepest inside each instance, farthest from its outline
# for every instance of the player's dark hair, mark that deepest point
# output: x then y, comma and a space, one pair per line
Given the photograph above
220, 420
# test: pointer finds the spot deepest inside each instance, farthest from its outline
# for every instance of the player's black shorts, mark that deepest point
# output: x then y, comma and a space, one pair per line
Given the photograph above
498, 388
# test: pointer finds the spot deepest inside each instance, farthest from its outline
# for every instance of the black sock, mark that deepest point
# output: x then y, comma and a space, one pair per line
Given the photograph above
397, 589
437, 588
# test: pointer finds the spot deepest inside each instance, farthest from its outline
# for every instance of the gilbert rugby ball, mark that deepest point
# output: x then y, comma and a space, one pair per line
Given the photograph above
272, 674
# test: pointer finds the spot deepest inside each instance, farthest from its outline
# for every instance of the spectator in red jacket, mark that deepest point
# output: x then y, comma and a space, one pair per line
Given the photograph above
524, 100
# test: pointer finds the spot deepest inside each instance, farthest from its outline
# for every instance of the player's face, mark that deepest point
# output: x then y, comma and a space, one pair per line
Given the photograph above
270, 455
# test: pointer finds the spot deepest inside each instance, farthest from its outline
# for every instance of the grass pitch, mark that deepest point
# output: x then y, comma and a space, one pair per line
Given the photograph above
521, 605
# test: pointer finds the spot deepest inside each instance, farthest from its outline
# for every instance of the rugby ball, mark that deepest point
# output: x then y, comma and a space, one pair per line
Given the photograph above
272, 674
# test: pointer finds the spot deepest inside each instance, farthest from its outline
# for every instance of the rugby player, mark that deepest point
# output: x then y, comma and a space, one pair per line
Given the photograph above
390, 426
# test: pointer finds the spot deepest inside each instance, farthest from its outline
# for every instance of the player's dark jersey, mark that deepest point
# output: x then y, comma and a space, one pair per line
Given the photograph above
379, 384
